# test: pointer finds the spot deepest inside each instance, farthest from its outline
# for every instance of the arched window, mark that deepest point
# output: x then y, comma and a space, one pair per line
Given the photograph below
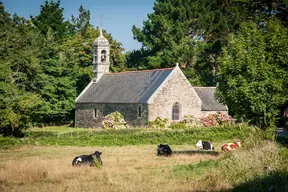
176, 111
103, 56
139, 111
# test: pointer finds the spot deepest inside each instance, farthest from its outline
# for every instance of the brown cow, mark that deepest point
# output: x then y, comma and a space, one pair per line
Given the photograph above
231, 146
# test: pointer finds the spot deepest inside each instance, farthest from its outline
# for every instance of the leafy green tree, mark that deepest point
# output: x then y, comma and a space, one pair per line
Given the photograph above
19, 68
57, 83
51, 17
193, 33
190, 32
82, 22
261, 10
253, 72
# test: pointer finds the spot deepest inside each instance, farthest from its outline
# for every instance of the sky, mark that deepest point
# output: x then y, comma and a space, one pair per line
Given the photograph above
118, 16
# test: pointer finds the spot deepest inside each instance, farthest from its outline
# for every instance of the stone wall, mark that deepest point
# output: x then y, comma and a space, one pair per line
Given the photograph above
85, 114
176, 89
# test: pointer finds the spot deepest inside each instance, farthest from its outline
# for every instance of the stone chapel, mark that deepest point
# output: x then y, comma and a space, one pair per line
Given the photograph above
140, 96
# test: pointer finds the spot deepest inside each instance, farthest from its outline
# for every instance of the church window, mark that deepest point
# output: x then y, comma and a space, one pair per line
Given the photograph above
176, 111
139, 111
103, 56
95, 113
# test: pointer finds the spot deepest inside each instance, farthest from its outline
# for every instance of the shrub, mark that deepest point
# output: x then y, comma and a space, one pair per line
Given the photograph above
114, 120
209, 121
216, 120
158, 123
178, 125
191, 121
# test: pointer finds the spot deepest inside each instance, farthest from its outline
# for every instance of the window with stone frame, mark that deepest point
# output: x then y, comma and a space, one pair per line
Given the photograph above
103, 56
176, 111
95, 113
139, 111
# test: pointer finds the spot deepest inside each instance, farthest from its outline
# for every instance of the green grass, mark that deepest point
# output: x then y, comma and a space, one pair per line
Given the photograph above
194, 170
67, 136
58, 130
9, 142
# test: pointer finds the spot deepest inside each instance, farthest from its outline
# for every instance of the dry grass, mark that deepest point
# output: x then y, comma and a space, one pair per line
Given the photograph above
137, 168
131, 168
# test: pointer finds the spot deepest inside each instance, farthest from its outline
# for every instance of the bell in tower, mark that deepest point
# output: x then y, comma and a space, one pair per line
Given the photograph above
101, 51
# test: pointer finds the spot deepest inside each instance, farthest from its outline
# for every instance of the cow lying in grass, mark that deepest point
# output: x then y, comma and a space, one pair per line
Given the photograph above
92, 160
164, 150
231, 146
204, 145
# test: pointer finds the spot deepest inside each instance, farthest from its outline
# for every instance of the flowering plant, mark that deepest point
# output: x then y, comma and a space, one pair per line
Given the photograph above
216, 119
191, 121
114, 120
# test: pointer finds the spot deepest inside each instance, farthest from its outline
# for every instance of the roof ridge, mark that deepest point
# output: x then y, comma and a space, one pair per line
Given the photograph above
161, 69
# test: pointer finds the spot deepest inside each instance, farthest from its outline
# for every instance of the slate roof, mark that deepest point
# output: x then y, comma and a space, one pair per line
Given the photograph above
125, 87
209, 102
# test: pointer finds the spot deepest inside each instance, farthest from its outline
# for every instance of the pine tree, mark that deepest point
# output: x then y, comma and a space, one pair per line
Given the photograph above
51, 17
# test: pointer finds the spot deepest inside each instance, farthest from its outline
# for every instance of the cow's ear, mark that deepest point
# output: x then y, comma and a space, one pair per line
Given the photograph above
100, 152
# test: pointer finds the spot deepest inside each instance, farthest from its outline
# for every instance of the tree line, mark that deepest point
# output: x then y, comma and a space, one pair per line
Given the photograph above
238, 45
45, 62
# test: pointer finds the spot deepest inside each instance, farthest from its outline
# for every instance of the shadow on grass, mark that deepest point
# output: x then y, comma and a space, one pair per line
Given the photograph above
282, 140
273, 182
196, 152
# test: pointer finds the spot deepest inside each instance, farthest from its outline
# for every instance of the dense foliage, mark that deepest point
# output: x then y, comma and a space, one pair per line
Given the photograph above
42, 61
254, 71
193, 33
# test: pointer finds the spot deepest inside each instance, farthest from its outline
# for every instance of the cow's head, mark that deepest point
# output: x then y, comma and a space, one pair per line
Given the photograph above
238, 142
97, 155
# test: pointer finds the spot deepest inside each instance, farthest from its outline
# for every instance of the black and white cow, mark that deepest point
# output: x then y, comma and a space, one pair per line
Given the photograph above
88, 159
164, 150
204, 145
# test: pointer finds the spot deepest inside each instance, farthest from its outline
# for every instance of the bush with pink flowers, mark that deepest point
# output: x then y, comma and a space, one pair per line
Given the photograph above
114, 120
218, 119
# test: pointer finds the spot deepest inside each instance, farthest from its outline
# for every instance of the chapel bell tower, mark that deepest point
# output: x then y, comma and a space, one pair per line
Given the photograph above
101, 53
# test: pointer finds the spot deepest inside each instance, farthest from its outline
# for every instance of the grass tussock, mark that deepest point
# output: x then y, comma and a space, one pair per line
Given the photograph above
260, 165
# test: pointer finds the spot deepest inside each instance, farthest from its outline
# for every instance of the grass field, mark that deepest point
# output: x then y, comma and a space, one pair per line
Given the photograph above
130, 168
31, 165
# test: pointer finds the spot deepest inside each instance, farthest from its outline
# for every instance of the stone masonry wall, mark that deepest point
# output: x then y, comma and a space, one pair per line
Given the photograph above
85, 114
176, 89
